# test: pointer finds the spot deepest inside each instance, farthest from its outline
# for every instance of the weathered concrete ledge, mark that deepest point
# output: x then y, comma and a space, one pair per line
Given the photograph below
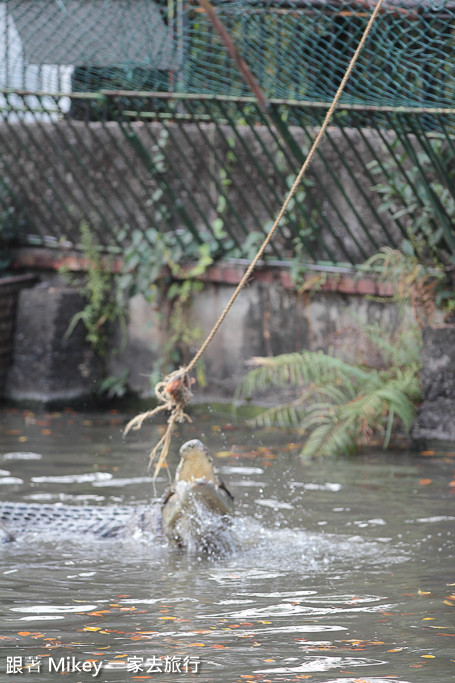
229, 272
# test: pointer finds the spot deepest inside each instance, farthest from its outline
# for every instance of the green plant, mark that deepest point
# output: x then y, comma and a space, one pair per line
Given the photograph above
299, 224
341, 406
413, 284
154, 266
114, 386
411, 190
103, 307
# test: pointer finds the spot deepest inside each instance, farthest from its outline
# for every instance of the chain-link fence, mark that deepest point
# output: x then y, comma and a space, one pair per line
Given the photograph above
133, 115
296, 49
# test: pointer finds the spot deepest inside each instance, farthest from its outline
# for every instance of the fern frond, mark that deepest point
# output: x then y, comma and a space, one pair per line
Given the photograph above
331, 437
287, 415
297, 369
341, 405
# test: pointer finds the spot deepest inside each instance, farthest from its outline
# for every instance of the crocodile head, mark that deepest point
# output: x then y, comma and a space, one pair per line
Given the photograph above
197, 506
195, 463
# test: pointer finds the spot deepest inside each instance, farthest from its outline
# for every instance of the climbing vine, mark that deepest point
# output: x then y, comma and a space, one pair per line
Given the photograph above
103, 308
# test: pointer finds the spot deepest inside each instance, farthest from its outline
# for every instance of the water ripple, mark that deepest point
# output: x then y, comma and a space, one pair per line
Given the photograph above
323, 664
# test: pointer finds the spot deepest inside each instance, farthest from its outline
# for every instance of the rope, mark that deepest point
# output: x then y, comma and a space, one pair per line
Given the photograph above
291, 192
174, 392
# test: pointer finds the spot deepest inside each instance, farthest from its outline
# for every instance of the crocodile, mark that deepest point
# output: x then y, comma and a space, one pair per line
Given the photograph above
196, 510
194, 513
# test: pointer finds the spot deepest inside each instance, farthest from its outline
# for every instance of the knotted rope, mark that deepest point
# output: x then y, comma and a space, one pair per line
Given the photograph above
174, 391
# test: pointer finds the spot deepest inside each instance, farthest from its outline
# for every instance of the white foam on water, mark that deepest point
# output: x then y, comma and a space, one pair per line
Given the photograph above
51, 609
323, 664
19, 455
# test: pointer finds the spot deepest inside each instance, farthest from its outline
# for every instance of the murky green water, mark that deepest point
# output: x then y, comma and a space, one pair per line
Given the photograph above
346, 570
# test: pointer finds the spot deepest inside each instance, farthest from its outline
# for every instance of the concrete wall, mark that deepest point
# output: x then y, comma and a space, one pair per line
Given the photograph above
268, 318
436, 418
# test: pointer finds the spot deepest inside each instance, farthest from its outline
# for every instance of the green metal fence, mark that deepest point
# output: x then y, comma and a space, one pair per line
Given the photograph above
218, 169
133, 116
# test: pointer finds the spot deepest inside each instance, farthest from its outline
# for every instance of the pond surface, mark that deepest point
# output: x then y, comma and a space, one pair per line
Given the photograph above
345, 570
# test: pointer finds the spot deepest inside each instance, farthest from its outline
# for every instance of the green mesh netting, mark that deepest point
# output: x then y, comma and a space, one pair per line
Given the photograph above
296, 50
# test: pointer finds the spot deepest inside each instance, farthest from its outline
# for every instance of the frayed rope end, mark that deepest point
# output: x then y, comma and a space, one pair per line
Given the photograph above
174, 392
